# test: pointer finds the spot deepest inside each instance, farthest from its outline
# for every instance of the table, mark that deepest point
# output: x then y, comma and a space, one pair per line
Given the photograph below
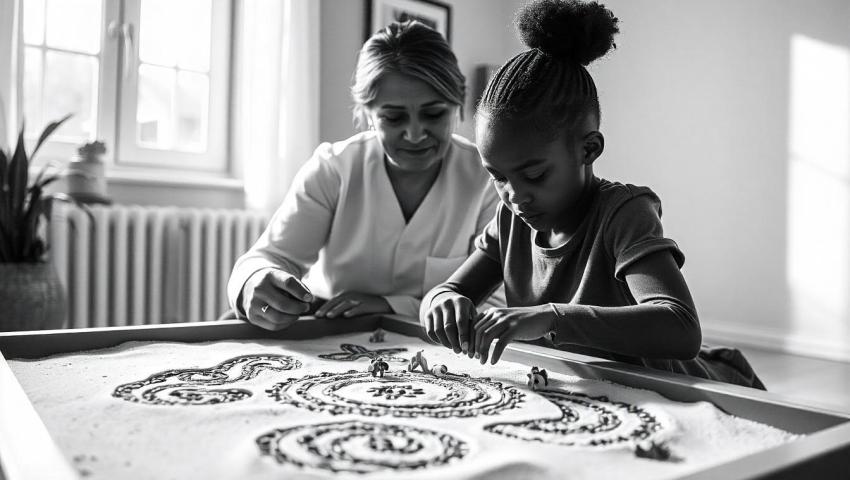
28, 451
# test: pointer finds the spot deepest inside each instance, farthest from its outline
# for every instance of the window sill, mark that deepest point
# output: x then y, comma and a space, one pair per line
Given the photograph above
180, 179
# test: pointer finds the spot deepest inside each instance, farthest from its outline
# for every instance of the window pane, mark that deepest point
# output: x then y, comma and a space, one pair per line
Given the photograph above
34, 22
74, 25
194, 44
32, 91
192, 108
159, 32
156, 102
70, 86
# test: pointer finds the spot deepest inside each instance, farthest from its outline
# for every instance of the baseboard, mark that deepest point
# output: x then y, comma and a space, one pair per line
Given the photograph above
769, 339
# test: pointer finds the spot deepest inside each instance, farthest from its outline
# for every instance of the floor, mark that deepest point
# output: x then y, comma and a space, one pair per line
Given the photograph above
807, 380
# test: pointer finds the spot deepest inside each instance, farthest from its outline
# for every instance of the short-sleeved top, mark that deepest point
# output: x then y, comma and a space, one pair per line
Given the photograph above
342, 218
622, 225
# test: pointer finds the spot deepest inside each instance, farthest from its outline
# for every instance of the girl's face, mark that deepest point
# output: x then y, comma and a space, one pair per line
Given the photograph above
413, 121
539, 178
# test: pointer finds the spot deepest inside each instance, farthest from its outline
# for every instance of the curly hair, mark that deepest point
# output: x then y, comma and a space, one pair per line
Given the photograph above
549, 82
409, 48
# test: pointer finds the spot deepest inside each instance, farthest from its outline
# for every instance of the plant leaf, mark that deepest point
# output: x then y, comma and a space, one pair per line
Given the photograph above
18, 175
43, 171
46, 181
3, 161
47, 131
5, 245
5, 199
29, 225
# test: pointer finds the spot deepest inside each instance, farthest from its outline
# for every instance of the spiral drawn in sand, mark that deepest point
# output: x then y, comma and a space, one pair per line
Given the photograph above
586, 421
195, 386
361, 447
398, 393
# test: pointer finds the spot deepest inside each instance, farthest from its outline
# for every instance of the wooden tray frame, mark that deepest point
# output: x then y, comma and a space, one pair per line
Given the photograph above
27, 450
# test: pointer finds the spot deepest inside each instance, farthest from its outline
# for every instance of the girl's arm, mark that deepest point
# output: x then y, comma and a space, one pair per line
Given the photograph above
663, 324
448, 310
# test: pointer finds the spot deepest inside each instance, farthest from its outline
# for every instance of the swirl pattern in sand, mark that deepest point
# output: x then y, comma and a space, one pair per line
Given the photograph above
399, 393
586, 421
361, 447
192, 386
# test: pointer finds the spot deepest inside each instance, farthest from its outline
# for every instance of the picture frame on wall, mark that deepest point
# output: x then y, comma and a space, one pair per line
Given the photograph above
435, 14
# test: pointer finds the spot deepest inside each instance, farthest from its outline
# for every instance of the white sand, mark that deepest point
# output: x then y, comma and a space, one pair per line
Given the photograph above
451, 427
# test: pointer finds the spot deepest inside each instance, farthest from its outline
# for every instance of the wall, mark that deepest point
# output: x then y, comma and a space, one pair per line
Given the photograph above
737, 115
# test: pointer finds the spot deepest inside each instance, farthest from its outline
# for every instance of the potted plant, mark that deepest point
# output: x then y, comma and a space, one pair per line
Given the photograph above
31, 294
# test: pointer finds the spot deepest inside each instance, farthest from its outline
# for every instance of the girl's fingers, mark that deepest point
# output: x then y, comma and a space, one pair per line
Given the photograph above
481, 325
439, 329
450, 320
428, 325
502, 341
450, 327
493, 331
462, 316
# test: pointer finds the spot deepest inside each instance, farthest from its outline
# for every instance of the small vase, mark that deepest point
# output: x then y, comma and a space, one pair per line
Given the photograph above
31, 297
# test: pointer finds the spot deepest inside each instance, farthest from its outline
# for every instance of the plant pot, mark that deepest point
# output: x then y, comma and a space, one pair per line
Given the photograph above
31, 297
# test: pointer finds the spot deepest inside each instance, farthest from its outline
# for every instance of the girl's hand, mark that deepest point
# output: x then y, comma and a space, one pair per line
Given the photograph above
274, 299
449, 320
506, 324
351, 304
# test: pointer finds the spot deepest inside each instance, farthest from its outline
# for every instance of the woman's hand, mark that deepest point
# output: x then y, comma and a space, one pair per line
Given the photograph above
503, 325
449, 320
274, 299
351, 304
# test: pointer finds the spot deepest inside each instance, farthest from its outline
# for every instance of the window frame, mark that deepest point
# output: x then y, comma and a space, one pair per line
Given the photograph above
117, 102
215, 161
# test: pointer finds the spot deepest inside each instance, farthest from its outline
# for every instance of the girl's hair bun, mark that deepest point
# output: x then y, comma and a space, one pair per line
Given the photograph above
569, 29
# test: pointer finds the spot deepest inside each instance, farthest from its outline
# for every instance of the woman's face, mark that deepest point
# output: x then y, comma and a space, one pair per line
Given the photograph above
413, 121
539, 178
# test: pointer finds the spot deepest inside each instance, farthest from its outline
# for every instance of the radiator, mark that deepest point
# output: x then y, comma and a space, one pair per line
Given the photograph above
132, 265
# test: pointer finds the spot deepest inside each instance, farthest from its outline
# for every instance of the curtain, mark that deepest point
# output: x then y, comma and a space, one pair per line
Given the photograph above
276, 114
11, 65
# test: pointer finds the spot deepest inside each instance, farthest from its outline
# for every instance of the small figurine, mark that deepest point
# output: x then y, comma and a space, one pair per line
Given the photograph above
418, 360
654, 451
378, 367
439, 370
538, 378
377, 336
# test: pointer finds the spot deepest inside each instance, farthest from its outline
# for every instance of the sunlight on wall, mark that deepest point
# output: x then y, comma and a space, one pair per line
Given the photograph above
818, 256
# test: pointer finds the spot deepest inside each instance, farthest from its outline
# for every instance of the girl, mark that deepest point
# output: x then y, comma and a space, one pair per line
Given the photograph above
584, 260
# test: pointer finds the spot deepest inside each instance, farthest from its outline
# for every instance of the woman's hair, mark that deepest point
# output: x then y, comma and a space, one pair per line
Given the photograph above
549, 82
410, 48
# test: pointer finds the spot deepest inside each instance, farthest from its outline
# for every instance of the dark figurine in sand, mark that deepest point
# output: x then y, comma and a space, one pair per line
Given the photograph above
378, 367
538, 378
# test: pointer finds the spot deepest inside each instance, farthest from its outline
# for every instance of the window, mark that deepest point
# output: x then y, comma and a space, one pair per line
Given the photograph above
148, 77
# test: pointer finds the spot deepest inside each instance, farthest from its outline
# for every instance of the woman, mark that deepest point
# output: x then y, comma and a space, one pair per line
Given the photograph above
382, 216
